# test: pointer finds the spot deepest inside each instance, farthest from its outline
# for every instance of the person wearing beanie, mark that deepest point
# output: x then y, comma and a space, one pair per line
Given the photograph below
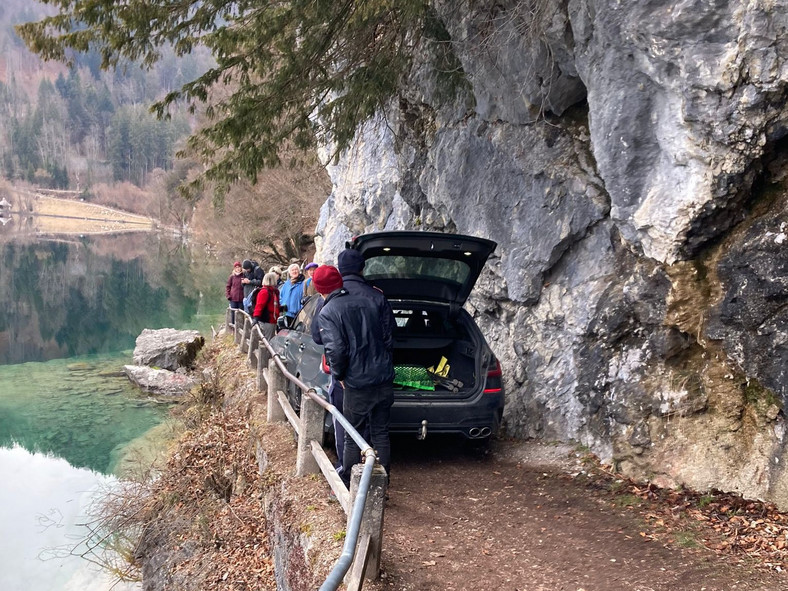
359, 354
235, 289
327, 279
309, 287
252, 277
335, 390
350, 262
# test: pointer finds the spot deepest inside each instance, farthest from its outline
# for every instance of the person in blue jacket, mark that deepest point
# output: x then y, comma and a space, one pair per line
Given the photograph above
291, 292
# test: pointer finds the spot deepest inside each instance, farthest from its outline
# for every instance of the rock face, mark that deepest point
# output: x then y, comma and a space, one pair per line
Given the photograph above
163, 358
629, 159
167, 348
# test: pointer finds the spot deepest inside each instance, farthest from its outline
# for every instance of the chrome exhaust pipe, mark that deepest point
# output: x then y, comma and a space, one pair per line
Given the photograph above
485, 432
474, 432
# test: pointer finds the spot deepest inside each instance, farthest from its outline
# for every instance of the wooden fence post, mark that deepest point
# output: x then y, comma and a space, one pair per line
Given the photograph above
254, 343
312, 415
239, 325
263, 356
245, 336
366, 561
228, 317
276, 383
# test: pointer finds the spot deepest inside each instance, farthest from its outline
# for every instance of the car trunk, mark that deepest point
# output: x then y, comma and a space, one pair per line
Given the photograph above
435, 355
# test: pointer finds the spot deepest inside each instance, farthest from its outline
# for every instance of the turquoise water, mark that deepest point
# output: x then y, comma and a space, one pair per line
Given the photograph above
64, 427
70, 421
81, 409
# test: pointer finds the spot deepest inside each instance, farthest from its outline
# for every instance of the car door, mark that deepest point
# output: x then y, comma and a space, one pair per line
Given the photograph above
301, 354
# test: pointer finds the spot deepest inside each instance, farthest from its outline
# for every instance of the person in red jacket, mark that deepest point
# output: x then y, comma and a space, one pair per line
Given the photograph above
235, 288
266, 309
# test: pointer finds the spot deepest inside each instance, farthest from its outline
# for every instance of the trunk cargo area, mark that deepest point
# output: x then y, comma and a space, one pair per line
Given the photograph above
434, 354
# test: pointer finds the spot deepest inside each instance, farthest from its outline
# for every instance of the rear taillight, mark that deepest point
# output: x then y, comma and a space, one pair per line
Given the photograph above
493, 383
324, 365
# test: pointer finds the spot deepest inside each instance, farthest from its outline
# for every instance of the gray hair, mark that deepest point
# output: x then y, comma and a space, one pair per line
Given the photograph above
270, 279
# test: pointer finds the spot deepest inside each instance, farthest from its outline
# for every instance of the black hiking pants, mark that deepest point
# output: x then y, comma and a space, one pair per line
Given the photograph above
368, 408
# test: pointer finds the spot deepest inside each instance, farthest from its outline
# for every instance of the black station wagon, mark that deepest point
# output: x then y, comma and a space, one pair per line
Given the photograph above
448, 380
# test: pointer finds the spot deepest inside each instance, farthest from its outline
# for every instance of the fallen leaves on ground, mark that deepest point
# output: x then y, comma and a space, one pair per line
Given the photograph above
208, 484
726, 523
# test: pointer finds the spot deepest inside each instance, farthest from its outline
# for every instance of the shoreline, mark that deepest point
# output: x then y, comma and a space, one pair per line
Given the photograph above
48, 215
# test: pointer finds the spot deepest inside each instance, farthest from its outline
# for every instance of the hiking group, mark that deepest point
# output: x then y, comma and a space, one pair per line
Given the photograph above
355, 324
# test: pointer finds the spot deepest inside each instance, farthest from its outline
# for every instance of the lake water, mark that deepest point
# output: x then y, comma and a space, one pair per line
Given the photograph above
70, 422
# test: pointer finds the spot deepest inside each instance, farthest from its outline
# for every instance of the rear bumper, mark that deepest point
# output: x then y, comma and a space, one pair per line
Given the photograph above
474, 419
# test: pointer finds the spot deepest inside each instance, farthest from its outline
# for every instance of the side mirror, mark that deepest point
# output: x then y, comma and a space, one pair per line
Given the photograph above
281, 323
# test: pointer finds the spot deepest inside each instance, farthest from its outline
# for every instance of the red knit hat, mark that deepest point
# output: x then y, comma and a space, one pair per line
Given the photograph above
326, 279
237, 264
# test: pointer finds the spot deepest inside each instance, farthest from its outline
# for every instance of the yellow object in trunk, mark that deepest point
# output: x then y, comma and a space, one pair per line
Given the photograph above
442, 370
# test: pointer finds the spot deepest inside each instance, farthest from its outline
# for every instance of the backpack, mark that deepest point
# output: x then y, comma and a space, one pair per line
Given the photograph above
250, 301
271, 311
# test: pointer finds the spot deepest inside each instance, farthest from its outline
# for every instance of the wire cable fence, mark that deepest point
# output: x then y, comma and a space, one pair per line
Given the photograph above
363, 503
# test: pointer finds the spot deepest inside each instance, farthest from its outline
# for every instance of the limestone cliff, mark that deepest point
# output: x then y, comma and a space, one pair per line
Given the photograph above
629, 159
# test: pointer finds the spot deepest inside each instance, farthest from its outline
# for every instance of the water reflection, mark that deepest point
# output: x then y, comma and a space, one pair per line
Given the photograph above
70, 310
43, 501
83, 410
90, 295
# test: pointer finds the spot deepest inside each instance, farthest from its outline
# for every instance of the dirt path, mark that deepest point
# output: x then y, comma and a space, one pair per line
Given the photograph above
529, 517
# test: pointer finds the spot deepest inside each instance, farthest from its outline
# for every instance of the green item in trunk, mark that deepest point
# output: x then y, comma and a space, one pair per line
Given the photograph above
414, 377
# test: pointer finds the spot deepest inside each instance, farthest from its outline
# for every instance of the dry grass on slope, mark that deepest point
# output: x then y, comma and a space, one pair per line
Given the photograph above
204, 518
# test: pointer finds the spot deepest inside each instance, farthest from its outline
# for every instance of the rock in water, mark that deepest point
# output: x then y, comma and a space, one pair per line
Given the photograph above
160, 381
167, 348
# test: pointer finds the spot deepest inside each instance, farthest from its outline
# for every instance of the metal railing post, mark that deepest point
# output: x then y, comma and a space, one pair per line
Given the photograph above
276, 383
311, 429
352, 538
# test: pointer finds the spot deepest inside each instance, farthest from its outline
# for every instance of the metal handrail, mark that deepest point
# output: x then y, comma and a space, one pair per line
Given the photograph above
345, 560
334, 578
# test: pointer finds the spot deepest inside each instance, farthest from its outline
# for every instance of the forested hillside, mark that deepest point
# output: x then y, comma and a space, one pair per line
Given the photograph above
91, 130
74, 128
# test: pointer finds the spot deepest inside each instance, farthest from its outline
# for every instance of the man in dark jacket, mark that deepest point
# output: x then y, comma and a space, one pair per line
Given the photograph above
252, 276
351, 265
359, 355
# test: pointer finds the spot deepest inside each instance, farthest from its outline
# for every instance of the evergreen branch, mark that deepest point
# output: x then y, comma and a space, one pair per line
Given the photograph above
296, 70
